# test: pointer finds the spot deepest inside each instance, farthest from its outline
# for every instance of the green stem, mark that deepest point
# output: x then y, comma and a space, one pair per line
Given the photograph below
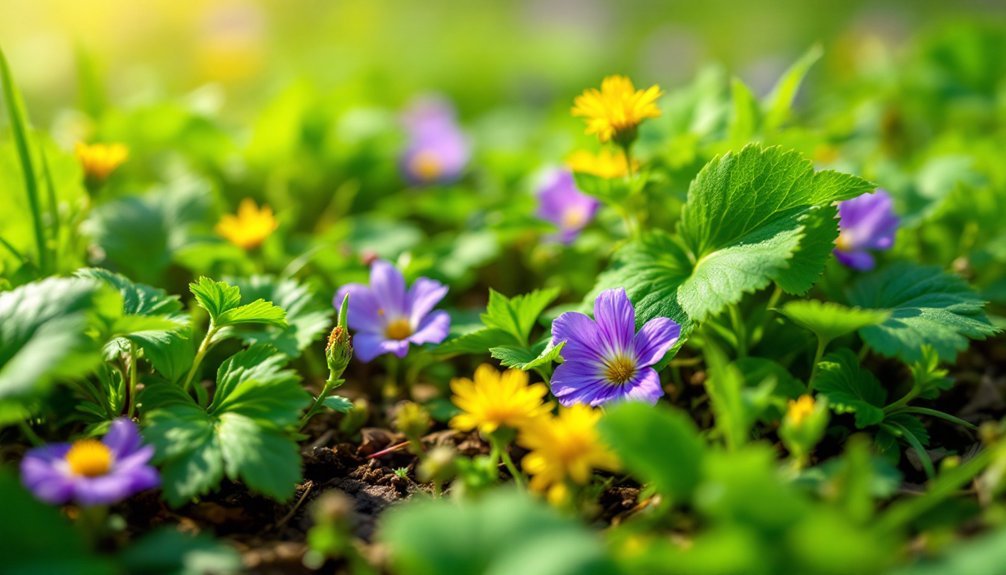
91, 523
53, 207
29, 433
912, 394
204, 348
740, 331
498, 453
330, 384
131, 401
822, 344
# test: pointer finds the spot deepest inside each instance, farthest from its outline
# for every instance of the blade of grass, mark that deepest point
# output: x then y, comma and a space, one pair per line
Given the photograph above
15, 111
53, 206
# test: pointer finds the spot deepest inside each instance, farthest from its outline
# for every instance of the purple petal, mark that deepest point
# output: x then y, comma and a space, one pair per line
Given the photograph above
388, 287
42, 474
616, 319
868, 221
423, 295
139, 458
652, 342
103, 490
562, 203
123, 438
581, 335
570, 384
433, 328
367, 346
645, 386
362, 314
859, 260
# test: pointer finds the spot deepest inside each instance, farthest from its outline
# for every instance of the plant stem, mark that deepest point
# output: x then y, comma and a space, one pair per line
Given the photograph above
204, 348
740, 331
29, 433
131, 401
499, 453
330, 384
822, 344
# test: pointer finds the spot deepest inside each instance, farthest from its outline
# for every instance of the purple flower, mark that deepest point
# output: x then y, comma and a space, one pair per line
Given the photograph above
867, 223
387, 318
605, 359
560, 202
437, 151
91, 472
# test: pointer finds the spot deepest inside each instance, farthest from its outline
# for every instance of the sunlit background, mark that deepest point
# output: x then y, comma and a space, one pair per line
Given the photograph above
483, 54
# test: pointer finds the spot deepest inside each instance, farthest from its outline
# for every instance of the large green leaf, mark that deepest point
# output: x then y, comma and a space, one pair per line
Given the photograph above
502, 533
831, 320
43, 337
307, 318
850, 388
657, 444
223, 302
242, 434
927, 306
517, 315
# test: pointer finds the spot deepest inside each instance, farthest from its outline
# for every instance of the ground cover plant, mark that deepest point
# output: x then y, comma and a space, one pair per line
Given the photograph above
686, 327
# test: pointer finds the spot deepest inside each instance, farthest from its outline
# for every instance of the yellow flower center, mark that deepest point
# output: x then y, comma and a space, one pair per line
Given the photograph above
426, 165
843, 243
398, 329
89, 458
574, 218
800, 409
619, 369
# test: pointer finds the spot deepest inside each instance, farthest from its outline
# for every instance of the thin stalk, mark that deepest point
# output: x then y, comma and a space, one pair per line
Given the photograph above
740, 331
12, 250
204, 348
330, 384
53, 207
131, 400
498, 453
29, 433
822, 344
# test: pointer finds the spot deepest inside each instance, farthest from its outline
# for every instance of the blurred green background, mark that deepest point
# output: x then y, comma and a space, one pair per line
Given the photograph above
483, 54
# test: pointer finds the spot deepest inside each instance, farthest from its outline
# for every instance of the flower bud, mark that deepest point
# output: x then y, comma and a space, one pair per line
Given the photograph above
438, 465
412, 420
339, 350
803, 426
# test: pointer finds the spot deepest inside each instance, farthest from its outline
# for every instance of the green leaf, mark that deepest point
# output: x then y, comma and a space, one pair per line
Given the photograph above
850, 388
262, 456
338, 404
780, 99
478, 341
830, 321
43, 339
527, 358
36, 538
927, 307
746, 216
223, 302
981, 555
307, 318
170, 552
658, 444
252, 383
517, 315
242, 433
503, 532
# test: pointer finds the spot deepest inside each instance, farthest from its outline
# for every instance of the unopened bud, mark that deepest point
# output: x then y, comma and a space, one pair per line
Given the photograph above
804, 425
438, 465
412, 420
339, 350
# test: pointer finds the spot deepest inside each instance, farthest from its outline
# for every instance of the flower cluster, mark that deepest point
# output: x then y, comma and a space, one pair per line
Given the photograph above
387, 317
605, 358
249, 227
91, 472
437, 150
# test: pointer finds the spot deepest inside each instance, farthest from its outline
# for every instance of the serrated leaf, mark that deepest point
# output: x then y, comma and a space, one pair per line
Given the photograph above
223, 302
252, 383
262, 457
830, 321
43, 338
527, 358
657, 444
850, 388
307, 317
927, 307
517, 315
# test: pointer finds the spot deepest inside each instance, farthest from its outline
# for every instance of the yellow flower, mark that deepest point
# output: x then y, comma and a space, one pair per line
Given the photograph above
100, 160
497, 400
800, 409
616, 110
250, 227
604, 164
564, 448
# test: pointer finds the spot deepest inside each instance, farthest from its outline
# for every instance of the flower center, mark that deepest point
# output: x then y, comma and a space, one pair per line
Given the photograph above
573, 218
843, 243
619, 369
89, 458
426, 165
398, 329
